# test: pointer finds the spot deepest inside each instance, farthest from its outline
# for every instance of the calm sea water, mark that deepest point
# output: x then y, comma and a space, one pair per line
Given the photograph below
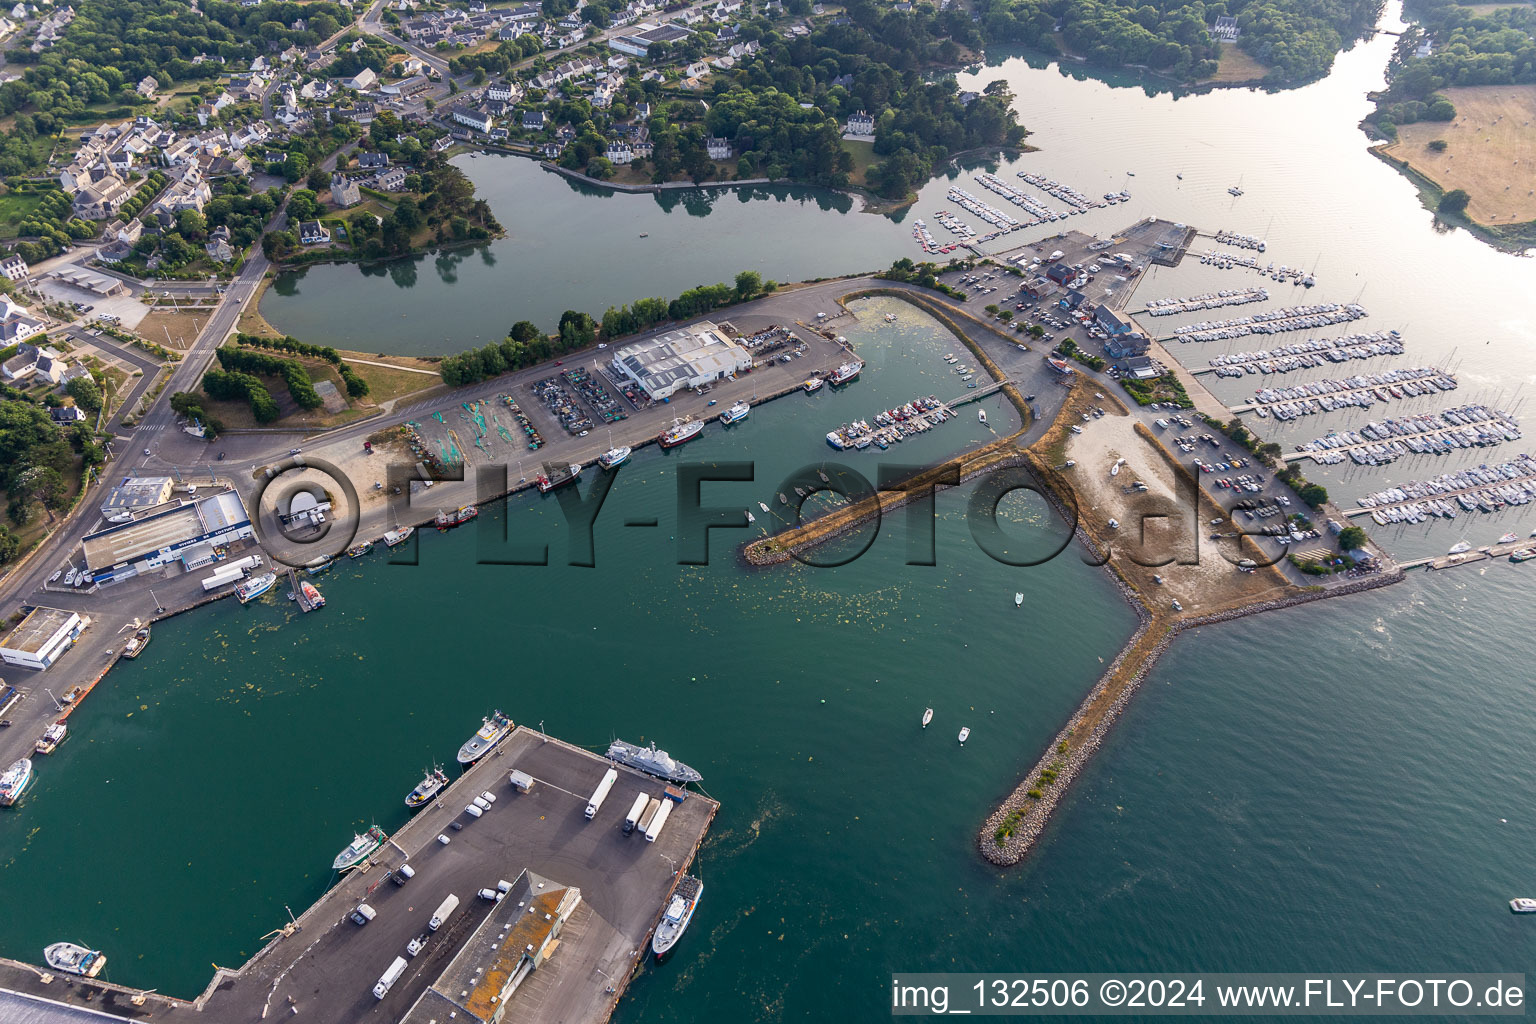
1340, 787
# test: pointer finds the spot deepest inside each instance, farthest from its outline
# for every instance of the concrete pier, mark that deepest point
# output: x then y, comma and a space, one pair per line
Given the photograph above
323, 967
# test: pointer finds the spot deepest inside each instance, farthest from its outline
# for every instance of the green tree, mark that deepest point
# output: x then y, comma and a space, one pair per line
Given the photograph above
1350, 538
1313, 494
86, 393
748, 284
1455, 202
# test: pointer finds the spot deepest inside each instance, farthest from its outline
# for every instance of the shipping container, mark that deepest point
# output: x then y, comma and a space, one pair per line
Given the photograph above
635, 810
659, 821
601, 792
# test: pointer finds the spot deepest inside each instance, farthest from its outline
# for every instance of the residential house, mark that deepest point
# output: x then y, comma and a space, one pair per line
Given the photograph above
1111, 321
534, 120
472, 118
1123, 346
344, 191
372, 161
312, 232
390, 180
219, 250
861, 123
363, 81
502, 92
740, 51
1226, 28
718, 149
66, 415
147, 87
14, 268
24, 363
698, 69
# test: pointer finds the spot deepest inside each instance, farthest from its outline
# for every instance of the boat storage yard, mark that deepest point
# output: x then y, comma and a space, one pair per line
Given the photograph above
573, 923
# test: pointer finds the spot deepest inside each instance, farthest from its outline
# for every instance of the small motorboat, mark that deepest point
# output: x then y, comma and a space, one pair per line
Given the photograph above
783, 500
74, 959
981, 414
965, 734
1018, 599
750, 517
927, 717
764, 506
1523, 905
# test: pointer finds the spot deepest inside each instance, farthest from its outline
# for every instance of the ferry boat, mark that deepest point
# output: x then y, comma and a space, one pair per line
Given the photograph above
52, 736
813, 384
491, 732
312, 596
845, 373
358, 849
735, 414
651, 761
136, 643
448, 520
74, 959
547, 482
685, 899
394, 537
679, 432
15, 781
614, 457
430, 785
254, 587
359, 550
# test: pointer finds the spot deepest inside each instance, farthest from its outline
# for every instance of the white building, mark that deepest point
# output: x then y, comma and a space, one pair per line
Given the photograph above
14, 268
42, 637
684, 358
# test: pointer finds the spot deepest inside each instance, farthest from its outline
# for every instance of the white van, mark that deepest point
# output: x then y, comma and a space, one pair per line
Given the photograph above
387, 981
363, 914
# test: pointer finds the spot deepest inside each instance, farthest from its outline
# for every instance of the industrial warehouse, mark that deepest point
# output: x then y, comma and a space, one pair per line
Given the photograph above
39, 639
685, 358
194, 531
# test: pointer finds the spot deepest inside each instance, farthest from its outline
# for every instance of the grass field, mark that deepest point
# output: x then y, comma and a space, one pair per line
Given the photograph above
1491, 151
863, 156
15, 208
1236, 66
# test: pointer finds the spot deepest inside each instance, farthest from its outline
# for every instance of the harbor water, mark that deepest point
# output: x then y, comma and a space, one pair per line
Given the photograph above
1342, 786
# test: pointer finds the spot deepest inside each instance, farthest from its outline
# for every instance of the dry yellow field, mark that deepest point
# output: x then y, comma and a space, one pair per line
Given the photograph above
1491, 151
1236, 66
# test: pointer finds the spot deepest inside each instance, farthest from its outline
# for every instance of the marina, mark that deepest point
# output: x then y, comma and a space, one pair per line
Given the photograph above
1479, 489
1210, 300
1309, 354
1360, 391
1275, 321
891, 426
1381, 443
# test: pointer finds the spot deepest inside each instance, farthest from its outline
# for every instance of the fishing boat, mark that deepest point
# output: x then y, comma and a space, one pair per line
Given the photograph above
312, 596
652, 761
735, 414
835, 439
394, 537
15, 780
492, 731
136, 643
1059, 365
323, 565
74, 959
548, 481
981, 414
685, 899
357, 851
448, 520
52, 736
845, 373
614, 457
965, 734
812, 384
430, 785
254, 587
359, 550
927, 717
680, 432
1018, 599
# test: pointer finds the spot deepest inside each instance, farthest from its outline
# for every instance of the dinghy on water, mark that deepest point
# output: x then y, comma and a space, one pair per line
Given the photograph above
965, 734
927, 717
1018, 599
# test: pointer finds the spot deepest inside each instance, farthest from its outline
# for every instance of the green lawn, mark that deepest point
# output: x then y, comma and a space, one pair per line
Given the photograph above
15, 209
863, 156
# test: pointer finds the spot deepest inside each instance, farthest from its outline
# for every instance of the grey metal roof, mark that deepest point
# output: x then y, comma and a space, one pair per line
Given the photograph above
16, 1008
